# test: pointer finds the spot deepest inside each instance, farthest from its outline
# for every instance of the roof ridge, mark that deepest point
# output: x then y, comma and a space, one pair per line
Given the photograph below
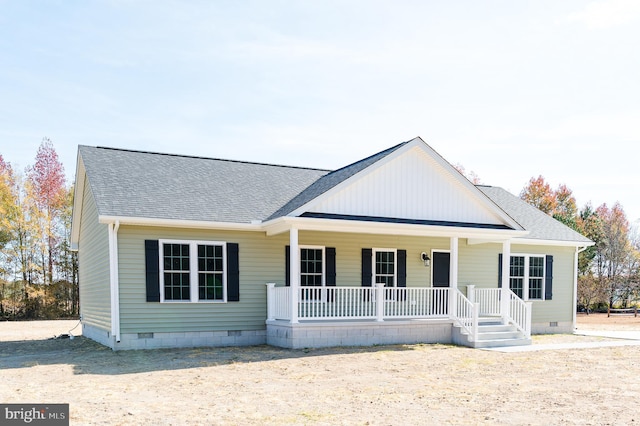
211, 158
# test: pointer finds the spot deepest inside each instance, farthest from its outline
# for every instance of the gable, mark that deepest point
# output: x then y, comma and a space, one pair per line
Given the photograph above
415, 185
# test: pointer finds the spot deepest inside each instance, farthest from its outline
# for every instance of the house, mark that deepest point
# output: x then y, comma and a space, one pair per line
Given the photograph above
396, 248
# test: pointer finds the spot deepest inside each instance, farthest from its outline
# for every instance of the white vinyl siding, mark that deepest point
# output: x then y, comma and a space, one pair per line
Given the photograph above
411, 186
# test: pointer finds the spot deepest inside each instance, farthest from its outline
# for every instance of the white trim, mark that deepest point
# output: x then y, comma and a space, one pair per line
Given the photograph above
193, 270
114, 280
180, 223
557, 243
432, 265
373, 265
526, 277
78, 196
283, 224
324, 263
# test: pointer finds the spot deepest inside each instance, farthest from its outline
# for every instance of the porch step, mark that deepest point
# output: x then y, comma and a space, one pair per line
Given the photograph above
493, 334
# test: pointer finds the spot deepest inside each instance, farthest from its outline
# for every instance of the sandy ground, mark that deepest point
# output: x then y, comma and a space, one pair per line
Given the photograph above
383, 385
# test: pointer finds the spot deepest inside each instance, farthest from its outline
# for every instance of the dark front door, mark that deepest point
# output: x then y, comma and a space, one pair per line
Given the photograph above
440, 265
441, 269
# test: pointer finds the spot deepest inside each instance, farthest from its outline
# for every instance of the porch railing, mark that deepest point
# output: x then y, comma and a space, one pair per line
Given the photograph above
379, 303
467, 315
520, 313
349, 303
488, 300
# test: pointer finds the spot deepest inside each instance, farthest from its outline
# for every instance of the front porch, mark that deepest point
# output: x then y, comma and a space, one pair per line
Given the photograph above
362, 316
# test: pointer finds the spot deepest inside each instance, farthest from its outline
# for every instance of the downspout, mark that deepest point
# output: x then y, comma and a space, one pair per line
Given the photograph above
114, 284
575, 284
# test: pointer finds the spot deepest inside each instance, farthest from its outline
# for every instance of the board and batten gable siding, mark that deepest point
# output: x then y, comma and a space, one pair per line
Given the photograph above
261, 260
434, 194
93, 261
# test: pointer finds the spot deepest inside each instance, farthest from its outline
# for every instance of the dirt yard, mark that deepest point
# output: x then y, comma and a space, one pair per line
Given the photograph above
383, 385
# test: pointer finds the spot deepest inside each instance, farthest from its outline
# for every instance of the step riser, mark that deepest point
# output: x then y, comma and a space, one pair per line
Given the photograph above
500, 335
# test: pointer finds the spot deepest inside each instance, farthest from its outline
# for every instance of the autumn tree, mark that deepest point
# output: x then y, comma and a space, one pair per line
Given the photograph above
539, 194
48, 183
471, 175
614, 252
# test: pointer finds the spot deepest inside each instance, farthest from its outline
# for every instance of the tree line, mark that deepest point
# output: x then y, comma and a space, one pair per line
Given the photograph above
609, 271
38, 270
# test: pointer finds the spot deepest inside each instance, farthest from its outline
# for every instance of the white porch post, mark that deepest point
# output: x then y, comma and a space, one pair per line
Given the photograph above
506, 263
270, 301
379, 294
294, 274
453, 276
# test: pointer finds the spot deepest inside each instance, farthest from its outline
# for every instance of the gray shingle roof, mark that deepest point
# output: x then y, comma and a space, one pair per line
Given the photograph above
129, 183
540, 225
163, 186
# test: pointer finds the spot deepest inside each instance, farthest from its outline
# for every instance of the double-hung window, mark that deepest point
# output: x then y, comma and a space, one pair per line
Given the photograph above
311, 266
526, 276
385, 267
192, 271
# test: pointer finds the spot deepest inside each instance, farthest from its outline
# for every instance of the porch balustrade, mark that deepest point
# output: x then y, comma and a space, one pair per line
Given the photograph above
380, 303
350, 303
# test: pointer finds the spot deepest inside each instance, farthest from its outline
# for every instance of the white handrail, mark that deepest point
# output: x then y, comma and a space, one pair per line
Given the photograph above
520, 313
467, 315
378, 302
488, 299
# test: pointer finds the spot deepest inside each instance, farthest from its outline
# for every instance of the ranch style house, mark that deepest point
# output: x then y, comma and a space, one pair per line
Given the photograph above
183, 251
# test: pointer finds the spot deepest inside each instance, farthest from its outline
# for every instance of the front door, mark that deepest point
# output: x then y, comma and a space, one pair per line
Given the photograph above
440, 275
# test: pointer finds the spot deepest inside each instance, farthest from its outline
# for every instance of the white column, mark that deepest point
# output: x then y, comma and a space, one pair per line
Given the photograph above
294, 272
379, 294
271, 301
506, 263
453, 276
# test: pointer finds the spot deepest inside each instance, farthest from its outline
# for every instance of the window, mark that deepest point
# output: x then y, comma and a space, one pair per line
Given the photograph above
526, 276
385, 267
192, 271
311, 266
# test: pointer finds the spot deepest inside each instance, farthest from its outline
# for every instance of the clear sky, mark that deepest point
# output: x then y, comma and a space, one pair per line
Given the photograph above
509, 89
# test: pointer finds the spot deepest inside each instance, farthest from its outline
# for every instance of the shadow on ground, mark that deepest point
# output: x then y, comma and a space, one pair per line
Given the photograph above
89, 357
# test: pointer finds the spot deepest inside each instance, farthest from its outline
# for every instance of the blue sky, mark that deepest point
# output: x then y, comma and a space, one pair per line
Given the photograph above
510, 90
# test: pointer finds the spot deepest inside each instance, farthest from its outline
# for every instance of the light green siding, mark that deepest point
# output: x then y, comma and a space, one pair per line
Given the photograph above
479, 266
93, 262
262, 260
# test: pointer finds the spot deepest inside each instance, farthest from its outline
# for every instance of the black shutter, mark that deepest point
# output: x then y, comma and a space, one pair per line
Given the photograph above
287, 266
233, 273
500, 270
152, 269
402, 268
330, 254
367, 253
548, 281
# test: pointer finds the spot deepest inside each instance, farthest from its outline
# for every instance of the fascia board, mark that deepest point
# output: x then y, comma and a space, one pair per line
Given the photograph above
557, 243
284, 224
179, 223
78, 195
